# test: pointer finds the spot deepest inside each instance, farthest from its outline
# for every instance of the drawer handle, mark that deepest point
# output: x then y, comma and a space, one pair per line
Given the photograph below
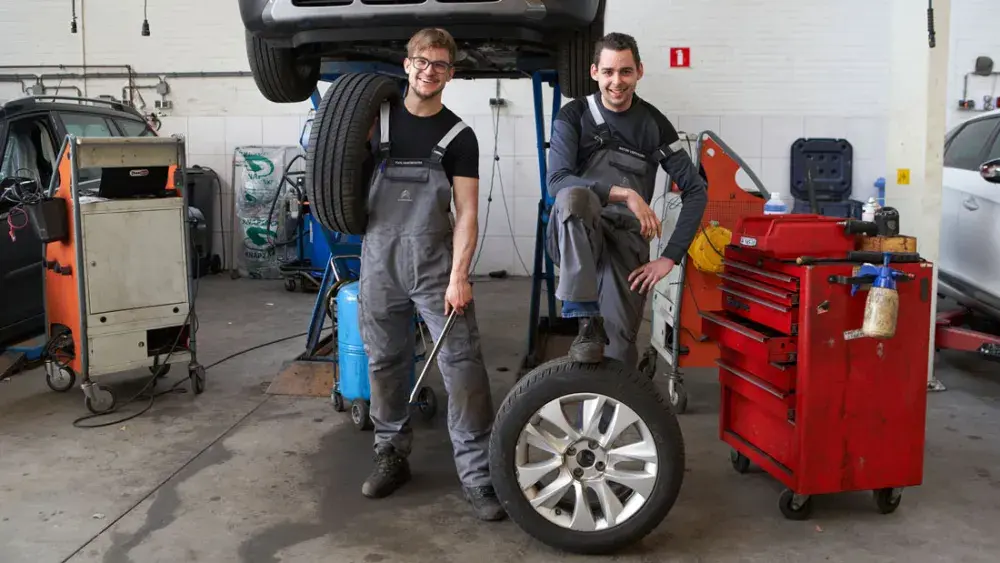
735, 327
756, 382
757, 286
759, 272
753, 299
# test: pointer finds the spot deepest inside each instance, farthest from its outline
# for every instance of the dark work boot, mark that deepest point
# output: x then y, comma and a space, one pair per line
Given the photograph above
588, 347
391, 472
485, 503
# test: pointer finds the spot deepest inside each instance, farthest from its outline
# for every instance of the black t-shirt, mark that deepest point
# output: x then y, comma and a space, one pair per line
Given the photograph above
411, 136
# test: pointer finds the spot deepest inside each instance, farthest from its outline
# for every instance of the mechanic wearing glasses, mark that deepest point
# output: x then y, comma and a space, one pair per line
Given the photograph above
414, 256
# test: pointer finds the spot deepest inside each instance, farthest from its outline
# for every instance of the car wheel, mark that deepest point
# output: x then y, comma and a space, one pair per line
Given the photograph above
281, 76
575, 56
561, 448
338, 165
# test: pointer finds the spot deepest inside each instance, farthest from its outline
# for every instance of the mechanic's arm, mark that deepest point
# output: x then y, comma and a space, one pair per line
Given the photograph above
563, 148
694, 199
466, 227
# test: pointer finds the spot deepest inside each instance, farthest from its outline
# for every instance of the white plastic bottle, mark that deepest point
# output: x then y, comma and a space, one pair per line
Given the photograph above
776, 205
869, 209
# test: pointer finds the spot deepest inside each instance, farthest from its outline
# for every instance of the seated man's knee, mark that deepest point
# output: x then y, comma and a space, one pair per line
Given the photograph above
577, 202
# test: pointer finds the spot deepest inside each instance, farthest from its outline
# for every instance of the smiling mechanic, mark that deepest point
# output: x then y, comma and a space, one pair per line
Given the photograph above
605, 150
412, 256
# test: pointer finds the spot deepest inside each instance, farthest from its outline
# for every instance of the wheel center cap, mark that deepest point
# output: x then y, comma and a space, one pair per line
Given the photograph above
586, 458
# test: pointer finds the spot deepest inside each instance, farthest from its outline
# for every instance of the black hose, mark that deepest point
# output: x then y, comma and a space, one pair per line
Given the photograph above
931, 39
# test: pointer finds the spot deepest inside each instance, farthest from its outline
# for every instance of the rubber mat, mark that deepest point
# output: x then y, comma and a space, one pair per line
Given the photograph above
304, 379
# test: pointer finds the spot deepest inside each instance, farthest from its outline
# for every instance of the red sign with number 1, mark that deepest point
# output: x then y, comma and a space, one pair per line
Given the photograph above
680, 57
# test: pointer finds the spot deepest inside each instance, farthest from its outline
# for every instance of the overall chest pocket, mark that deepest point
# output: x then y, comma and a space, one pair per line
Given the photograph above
627, 163
413, 174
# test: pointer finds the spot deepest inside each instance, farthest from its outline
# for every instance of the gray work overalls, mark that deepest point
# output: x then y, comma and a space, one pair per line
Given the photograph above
598, 247
406, 261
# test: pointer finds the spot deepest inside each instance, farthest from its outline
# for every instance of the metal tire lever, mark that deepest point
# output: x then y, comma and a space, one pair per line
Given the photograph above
430, 359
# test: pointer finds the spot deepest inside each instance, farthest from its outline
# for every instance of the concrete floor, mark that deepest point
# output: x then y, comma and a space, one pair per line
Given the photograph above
238, 475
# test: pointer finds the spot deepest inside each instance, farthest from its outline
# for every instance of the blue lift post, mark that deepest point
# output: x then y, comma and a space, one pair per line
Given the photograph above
539, 328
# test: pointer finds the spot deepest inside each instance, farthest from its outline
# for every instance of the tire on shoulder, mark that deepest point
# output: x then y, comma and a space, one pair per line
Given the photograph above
612, 379
575, 55
337, 173
281, 76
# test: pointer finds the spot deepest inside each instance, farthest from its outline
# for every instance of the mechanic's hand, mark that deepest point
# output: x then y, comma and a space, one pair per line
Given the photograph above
645, 277
458, 296
647, 218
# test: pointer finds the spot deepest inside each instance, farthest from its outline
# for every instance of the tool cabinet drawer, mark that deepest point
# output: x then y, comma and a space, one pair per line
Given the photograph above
776, 279
747, 337
778, 317
760, 290
757, 425
777, 403
780, 376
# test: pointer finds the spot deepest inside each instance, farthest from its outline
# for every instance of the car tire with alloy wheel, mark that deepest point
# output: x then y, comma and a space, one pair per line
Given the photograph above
338, 166
280, 74
561, 444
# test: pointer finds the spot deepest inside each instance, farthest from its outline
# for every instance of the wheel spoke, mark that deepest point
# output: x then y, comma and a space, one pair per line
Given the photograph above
531, 473
639, 481
643, 451
554, 491
583, 518
610, 505
553, 413
592, 410
545, 441
622, 418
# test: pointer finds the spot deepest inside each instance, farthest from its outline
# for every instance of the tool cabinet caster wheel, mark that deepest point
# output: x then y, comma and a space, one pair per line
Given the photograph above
795, 507
741, 463
58, 378
104, 400
427, 403
887, 500
679, 398
360, 414
290, 284
197, 377
338, 402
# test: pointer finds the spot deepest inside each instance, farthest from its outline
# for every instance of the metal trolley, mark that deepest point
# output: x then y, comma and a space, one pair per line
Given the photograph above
119, 294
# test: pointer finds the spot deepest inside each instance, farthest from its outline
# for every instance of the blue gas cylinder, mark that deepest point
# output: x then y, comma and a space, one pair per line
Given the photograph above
351, 358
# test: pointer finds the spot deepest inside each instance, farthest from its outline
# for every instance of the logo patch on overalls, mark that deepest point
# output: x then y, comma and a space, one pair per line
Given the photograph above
405, 196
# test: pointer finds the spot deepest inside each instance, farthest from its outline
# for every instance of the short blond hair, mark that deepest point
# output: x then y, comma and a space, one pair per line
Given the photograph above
430, 38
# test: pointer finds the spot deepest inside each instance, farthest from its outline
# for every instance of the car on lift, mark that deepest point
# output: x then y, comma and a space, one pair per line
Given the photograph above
288, 41
32, 130
969, 263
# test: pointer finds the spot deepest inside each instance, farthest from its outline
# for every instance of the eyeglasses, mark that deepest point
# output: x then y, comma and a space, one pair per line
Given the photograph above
421, 64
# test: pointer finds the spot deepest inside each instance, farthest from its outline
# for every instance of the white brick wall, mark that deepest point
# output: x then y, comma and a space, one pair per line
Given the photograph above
764, 73
973, 33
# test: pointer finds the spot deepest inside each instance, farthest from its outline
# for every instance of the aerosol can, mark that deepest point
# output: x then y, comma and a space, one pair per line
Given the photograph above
882, 305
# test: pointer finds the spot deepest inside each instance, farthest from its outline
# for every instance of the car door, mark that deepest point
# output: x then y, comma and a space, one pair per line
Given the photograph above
969, 240
28, 150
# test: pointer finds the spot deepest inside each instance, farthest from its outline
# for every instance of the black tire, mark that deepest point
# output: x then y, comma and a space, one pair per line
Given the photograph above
576, 54
65, 380
741, 463
338, 402
197, 377
679, 400
885, 502
280, 75
337, 175
790, 512
106, 400
612, 379
360, 412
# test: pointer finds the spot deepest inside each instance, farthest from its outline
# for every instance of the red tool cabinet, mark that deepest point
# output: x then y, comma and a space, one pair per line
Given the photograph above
805, 396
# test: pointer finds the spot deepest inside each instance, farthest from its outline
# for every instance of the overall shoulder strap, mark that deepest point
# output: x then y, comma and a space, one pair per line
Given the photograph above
595, 112
438, 153
384, 127
603, 136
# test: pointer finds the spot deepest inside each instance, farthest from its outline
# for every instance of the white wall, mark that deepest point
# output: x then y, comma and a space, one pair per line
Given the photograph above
764, 73
973, 34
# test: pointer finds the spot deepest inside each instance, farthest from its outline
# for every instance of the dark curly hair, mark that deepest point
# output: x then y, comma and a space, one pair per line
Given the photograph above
617, 42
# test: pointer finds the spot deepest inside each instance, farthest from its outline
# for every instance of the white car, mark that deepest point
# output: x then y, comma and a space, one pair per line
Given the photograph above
969, 263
